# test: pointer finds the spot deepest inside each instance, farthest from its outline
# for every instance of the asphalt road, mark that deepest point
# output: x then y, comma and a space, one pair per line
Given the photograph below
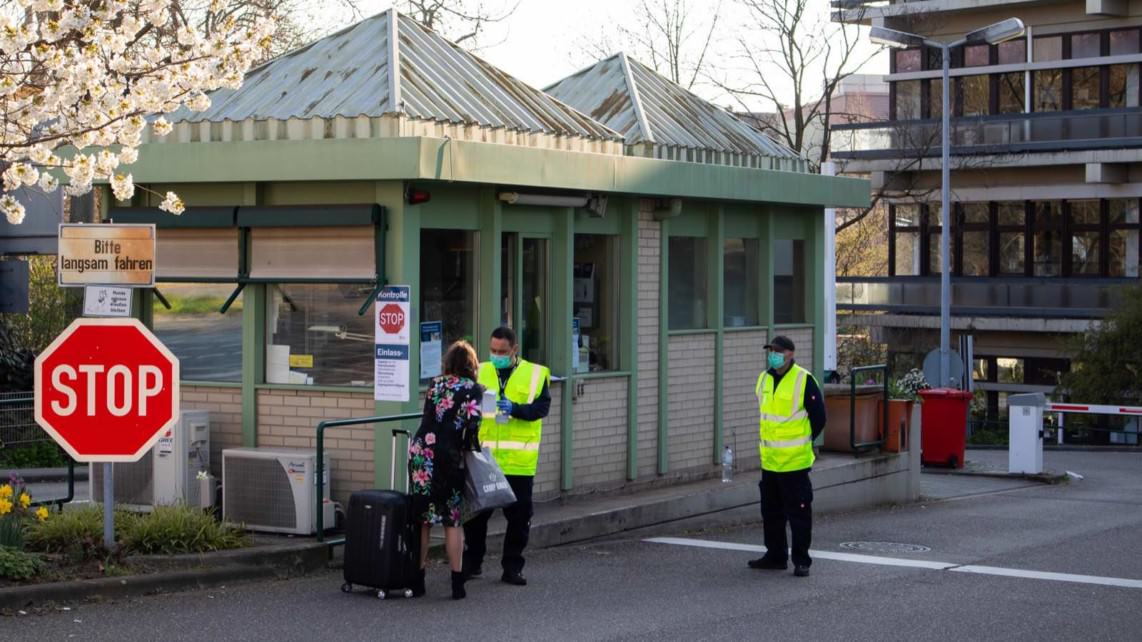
628, 588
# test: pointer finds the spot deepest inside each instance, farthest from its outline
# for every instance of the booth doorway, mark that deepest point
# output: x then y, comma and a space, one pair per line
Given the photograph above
525, 276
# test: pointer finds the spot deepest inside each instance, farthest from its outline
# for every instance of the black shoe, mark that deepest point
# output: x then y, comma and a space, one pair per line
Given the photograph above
472, 571
801, 571
417, 587
516, 579
768, 564
458, 592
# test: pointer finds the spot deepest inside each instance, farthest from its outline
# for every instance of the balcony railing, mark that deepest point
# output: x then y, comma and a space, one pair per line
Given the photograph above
983, 135
979, 296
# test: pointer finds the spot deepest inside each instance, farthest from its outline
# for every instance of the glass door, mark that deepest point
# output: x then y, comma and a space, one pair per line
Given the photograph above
524, 276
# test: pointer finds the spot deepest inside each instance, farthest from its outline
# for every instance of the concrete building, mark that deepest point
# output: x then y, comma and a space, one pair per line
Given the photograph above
1047, 145
385, 154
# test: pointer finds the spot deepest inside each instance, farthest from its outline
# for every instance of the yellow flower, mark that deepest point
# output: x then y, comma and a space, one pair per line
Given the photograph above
5, 491
5, 506
42, 514
25, 500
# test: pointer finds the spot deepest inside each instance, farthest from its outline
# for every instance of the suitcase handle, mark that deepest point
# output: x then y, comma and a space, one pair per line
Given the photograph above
393, 463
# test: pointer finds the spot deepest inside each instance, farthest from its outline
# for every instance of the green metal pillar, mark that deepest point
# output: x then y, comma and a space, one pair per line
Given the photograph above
628, 310
561, 297
766, 265
817, 273
716, 319
253, 338
664, 349
490, 244
402, 267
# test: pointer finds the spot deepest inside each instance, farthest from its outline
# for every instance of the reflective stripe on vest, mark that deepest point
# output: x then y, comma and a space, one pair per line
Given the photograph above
785, 441
514, 444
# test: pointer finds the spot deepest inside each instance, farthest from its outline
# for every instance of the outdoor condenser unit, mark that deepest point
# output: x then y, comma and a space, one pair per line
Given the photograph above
273, 489
166, 474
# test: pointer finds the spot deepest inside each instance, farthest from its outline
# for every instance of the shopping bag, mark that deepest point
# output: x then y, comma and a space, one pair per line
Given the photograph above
485, 486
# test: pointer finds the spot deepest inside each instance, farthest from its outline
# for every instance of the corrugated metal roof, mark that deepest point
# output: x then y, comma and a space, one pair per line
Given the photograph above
349, 74
613, 91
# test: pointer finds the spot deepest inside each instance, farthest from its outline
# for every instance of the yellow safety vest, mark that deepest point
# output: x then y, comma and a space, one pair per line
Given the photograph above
786, 437
515, 444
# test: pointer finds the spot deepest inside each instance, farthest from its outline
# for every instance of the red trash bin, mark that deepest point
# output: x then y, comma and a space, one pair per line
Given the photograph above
944, 420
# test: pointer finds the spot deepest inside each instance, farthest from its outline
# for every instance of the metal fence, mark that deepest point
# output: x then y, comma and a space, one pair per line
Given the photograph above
17, 423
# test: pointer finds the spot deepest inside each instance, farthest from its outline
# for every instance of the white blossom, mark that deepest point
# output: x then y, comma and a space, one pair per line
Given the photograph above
12, 208
123, 187
172, 203
90, 75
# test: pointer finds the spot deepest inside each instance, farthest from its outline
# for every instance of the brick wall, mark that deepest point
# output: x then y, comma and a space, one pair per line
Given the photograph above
600, 433
691, 401
548, 472
225, 406
744, 360
803, 339
289, 418
649, 257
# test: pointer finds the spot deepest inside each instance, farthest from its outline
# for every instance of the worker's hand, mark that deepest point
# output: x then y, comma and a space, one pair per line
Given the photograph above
505, 406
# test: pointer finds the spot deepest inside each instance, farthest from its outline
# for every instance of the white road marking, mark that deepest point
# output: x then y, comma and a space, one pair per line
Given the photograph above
911, 563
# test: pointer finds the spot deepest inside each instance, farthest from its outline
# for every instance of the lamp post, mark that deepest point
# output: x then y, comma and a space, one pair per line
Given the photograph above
992, 34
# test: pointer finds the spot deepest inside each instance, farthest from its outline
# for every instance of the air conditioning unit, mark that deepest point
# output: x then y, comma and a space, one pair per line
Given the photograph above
165, 475
273, 490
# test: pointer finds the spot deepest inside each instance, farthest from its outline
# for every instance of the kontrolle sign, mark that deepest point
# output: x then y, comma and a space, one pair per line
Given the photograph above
104, 254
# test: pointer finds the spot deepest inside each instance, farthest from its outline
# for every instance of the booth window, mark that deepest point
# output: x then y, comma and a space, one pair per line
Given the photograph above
448, 273
596, 301
742, 282
208, 345
788, 282
689, 286
316, 337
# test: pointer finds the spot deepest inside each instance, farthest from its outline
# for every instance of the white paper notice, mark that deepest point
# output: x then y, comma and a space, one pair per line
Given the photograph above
392, 344
102, 301
431, 348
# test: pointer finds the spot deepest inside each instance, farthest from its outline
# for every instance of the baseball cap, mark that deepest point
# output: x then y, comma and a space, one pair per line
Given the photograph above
780, 342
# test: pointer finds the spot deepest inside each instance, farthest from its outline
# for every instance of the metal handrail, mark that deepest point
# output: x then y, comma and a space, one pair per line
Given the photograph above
852, 407
341, 423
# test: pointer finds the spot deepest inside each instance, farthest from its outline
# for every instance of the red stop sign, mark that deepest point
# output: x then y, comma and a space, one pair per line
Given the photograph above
106, 389
391, 318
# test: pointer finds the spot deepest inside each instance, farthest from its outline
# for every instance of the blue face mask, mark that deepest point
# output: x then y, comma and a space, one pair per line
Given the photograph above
776, 360
501, 362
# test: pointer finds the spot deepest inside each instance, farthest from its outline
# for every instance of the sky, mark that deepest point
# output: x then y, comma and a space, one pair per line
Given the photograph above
546, 40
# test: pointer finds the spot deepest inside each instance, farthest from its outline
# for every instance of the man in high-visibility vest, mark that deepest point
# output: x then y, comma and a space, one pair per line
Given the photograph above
513, 433
792, 416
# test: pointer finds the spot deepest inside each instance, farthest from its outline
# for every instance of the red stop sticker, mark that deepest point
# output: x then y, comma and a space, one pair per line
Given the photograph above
391, 318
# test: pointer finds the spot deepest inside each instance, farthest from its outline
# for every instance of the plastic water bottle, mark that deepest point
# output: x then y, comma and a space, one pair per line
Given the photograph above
727, 465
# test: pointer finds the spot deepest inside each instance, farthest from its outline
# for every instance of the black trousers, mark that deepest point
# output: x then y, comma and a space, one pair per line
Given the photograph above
787, 497
515, 539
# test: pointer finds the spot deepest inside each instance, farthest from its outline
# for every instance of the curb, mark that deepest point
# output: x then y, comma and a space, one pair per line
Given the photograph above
1042, 478
194, 571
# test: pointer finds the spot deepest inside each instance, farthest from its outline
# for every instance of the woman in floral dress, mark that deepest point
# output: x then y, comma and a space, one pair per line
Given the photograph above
450, 426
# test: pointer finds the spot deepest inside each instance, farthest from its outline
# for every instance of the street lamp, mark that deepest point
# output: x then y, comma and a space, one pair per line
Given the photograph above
992, 35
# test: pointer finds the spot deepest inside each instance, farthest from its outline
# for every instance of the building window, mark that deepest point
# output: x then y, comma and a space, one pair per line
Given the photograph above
597, 278
1011, 233
1086, 221
1011, 89
1124, 42
975, 94
1012, 52
1123, 243
316, 337
935, 228
906, 60
742, 286
1085, 85
1047, 48
788, 282
974, 243
1048, 94
1048, 238
906, 240
1009, 370
208, 345
448, 282
906, 103
977, 56
1123, 86
689, 285
936, 98
1086, 45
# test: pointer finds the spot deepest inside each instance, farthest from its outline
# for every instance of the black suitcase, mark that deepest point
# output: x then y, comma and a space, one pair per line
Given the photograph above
381, 542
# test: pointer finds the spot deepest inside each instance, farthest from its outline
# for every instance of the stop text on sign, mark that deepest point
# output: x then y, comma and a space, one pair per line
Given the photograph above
117, 383
391, 318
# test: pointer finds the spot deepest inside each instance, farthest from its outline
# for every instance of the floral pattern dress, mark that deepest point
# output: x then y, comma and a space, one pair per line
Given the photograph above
450, 426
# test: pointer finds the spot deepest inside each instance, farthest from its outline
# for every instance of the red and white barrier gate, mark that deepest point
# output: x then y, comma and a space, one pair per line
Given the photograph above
1025, 417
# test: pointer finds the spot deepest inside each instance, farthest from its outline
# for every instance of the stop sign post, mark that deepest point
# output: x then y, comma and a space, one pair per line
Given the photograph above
106, 390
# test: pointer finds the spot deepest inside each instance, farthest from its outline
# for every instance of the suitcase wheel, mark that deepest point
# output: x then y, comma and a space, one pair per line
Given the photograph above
346, 588
407, 593
381, 595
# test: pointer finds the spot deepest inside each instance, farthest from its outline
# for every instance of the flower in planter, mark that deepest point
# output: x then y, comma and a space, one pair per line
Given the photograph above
25, 500
6, 491
5, 506
42, 514
909, 385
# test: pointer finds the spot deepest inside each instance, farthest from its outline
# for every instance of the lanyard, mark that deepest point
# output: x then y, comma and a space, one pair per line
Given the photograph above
503, 381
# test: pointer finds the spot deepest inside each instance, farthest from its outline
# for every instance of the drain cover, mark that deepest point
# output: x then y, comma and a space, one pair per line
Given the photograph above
885, 547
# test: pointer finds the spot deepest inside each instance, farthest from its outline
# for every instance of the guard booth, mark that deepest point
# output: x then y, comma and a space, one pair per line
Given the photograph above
644, 247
